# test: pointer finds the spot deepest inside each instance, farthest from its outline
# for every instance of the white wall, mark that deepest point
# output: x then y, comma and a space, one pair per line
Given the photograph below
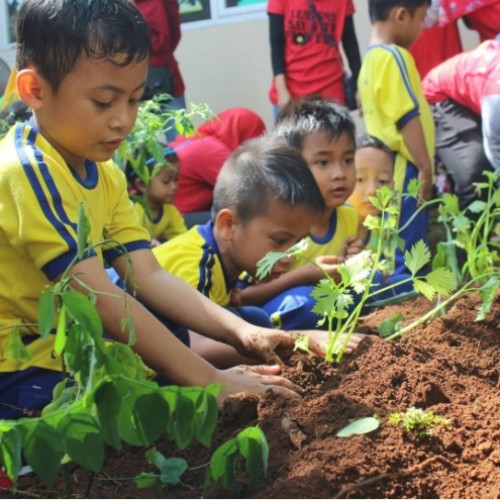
229, 64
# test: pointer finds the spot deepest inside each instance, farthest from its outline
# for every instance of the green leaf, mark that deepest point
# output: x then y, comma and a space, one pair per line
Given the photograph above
391, 325
44, 448
266, 264
145, 480
60, 340
488, 293
477, 206
84, 443
360, 426
122, 360
219, 458
83, 312
83, 231
10, 452
149, 415
253, 446
413, 187
206, 417
424, 288
442, 280
46, 313
183, 426
15, 349
230, 482
107, 399
171, 469
417, 257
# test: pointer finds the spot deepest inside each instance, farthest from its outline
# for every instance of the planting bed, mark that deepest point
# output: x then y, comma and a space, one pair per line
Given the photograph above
451, 366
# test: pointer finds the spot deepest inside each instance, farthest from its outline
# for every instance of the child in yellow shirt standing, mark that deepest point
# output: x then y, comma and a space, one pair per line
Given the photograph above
394, 106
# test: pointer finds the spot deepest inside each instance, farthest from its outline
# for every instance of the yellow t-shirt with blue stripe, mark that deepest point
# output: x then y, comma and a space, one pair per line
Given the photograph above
391, 95
168, 224
40, 199
343, 224
194, 257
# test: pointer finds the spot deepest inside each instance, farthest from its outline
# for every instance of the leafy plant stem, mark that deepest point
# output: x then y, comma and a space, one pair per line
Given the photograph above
464, 289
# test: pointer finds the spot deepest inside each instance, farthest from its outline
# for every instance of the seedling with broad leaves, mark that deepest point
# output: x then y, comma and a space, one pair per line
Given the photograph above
106, 397
341, 300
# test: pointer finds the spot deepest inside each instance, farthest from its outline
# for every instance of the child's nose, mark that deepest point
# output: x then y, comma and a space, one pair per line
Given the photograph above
338, 171
123, 119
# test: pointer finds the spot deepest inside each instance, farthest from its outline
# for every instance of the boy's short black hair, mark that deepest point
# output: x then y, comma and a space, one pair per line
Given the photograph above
260, 170
53, 34
370, 141
309, 115
379, 9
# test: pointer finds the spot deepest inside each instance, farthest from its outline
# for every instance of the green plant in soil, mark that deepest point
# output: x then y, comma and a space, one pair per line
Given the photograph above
147, 138
341, 299
417, 421
106, 398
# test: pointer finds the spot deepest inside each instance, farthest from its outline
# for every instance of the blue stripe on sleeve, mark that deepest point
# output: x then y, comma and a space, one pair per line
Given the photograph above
49, 181
205, 267
406, 118
113, 253
37, 188
61, 263
404, 71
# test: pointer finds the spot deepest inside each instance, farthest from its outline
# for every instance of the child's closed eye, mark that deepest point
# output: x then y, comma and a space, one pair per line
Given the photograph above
102, 104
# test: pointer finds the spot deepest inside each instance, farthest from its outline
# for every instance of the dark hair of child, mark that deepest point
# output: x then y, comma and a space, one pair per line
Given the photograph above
53, 34
379, 9
263, 169
309, 115
370, 141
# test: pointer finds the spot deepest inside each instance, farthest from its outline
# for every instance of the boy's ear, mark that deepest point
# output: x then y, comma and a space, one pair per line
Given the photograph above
29, 85
140, 185
400, 13
224, 223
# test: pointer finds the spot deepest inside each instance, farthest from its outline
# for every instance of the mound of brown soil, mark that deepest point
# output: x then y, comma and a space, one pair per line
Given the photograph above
450, 366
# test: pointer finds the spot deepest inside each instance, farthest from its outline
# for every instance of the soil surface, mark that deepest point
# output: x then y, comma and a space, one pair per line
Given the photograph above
450, 366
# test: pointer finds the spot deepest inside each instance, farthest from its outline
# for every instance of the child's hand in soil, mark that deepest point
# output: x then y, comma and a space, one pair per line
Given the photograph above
256, 380
263, 342
321, 337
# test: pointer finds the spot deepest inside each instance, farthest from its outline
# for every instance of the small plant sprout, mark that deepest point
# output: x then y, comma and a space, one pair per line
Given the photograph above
417, 421
359, 426
340, 300
302, 344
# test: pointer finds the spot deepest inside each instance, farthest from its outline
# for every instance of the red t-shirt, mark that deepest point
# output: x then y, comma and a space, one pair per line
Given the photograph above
434, 46
164, 22
314, 67
467, 77
202, 155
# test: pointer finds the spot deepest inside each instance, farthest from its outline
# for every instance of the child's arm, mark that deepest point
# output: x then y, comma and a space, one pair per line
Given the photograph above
159, 348
277, 40
308, 274
413, 135
171, 297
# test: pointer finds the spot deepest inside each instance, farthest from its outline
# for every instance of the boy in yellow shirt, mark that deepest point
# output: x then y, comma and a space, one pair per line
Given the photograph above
324, 133
394, 106
82, 69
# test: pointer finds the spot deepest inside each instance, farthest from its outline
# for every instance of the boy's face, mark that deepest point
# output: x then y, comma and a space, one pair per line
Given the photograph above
277, 230
410, 26
93, 110
332, 164
374, 169
163, 186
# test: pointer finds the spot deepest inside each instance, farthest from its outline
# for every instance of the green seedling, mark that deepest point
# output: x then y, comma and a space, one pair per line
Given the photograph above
302, 344
417, 421
359, 426
335, 303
